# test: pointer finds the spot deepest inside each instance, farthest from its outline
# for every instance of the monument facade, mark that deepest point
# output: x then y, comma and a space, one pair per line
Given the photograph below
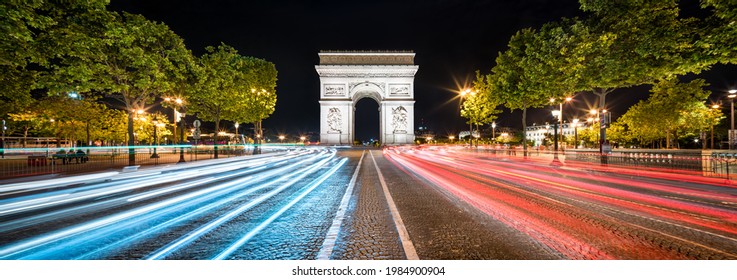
349, 76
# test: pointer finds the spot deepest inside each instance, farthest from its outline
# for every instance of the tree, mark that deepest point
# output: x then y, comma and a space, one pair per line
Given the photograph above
33, 33
257, 94
717, 34
480, 108
235, 88
533, 70
672, 109
131, 59
217, 89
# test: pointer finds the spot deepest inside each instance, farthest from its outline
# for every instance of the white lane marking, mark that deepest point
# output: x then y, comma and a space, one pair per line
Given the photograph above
409, 248
332, 236
227, 252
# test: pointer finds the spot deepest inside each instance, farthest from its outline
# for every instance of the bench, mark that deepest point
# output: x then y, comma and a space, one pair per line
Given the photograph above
67, 158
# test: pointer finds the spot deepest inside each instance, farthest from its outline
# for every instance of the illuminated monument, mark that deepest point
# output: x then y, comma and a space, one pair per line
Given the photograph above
349, 76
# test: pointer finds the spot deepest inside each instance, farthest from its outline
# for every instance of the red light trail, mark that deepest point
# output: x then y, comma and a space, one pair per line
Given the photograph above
608, 214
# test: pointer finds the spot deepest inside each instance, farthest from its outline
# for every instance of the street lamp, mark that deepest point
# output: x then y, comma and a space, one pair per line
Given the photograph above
465, 93
281, 138
715, 106
302, 138
493, 131
156, 143
2, 143
451, 138
237, 136
732, 95
560, 117
575, 133
556, 113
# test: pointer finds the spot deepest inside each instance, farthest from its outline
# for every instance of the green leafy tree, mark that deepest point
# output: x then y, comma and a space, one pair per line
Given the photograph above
33, 32
235, 88
672, 109
256, 93
531, 71
217, 89
131, 59
480, 108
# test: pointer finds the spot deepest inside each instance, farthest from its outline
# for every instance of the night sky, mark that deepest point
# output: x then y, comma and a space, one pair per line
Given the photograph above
451, 39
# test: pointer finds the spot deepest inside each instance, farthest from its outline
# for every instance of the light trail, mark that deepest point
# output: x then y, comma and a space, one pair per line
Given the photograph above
15, 205
586, 216
76, 241
192, 236
316, 183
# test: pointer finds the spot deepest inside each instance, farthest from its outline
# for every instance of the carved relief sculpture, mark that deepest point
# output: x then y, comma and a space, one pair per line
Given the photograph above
334, 121
399, 119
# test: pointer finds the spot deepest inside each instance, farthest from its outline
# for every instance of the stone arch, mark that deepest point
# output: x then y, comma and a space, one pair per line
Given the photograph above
385, 77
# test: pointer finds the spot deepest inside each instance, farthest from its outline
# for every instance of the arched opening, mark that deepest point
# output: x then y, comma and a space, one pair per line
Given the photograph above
366, 126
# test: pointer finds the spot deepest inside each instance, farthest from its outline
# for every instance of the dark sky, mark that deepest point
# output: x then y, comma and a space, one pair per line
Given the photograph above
451, 40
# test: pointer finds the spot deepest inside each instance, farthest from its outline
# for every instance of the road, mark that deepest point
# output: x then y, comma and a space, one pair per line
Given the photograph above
229, 209
398, 203
580, 211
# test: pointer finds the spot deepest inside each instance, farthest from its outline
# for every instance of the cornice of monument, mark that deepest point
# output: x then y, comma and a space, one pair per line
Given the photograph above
367, 58
366, 70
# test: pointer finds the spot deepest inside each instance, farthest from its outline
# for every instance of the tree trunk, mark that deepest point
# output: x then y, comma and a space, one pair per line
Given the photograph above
217, 130
131, 150
524, 130
87, 128
601, 93
25, 135
260, 134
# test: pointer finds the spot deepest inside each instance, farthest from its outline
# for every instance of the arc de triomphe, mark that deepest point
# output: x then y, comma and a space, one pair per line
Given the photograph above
349, 76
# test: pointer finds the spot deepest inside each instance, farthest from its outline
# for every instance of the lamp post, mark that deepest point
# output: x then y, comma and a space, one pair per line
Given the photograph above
575, 133
2, 142
237, 136
174, 123
493, 131
732, 95
556, 113
178, 103
451, 138
715, 106
281, 139
156, 143
465, 93
181, 138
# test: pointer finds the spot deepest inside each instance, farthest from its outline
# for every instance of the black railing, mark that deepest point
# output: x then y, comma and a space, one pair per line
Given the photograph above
40, 161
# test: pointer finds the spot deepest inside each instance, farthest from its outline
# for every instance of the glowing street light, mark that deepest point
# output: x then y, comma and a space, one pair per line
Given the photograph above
575, 133
281, 138
556, 113
237, 136
178, 104
731, 96
493, 131
464, 93
715, 107
156, 127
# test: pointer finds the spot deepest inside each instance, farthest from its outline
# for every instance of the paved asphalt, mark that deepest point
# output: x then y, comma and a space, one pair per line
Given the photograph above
433, 203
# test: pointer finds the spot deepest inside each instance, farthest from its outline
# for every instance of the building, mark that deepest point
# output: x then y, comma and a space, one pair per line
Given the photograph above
537, 133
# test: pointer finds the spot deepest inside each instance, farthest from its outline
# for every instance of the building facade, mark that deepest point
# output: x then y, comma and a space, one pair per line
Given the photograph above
349, 76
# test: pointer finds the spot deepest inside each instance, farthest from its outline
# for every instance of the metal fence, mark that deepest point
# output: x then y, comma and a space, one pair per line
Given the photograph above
710, 163
38, 161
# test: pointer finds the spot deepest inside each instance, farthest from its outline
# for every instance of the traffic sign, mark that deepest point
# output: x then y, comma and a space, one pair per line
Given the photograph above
196, 123
196, 134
